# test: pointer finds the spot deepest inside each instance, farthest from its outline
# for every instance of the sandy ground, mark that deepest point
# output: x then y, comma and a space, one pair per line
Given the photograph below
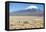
22, 22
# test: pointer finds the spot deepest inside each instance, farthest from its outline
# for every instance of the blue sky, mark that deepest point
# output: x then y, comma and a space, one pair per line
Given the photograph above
21, 6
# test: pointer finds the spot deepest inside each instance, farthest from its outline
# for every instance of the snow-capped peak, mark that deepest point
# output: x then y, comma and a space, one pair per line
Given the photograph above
30, 7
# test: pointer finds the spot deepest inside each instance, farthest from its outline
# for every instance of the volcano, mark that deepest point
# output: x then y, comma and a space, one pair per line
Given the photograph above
27, 12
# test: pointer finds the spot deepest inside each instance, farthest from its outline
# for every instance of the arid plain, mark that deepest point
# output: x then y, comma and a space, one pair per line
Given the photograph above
22, 22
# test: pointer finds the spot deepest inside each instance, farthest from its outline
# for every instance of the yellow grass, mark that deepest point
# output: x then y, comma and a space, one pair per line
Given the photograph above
21, 22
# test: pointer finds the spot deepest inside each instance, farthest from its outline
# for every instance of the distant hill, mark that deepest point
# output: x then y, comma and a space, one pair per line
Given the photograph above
27, 12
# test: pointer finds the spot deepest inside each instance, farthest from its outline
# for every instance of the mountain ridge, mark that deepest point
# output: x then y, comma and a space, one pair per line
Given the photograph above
27, 12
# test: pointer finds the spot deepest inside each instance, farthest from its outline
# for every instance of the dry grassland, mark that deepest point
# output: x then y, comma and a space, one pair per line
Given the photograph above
22, 22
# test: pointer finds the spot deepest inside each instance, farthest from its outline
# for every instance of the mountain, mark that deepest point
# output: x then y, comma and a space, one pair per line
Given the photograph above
27, 12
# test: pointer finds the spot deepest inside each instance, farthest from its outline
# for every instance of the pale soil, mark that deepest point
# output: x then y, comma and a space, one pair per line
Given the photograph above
32, 22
